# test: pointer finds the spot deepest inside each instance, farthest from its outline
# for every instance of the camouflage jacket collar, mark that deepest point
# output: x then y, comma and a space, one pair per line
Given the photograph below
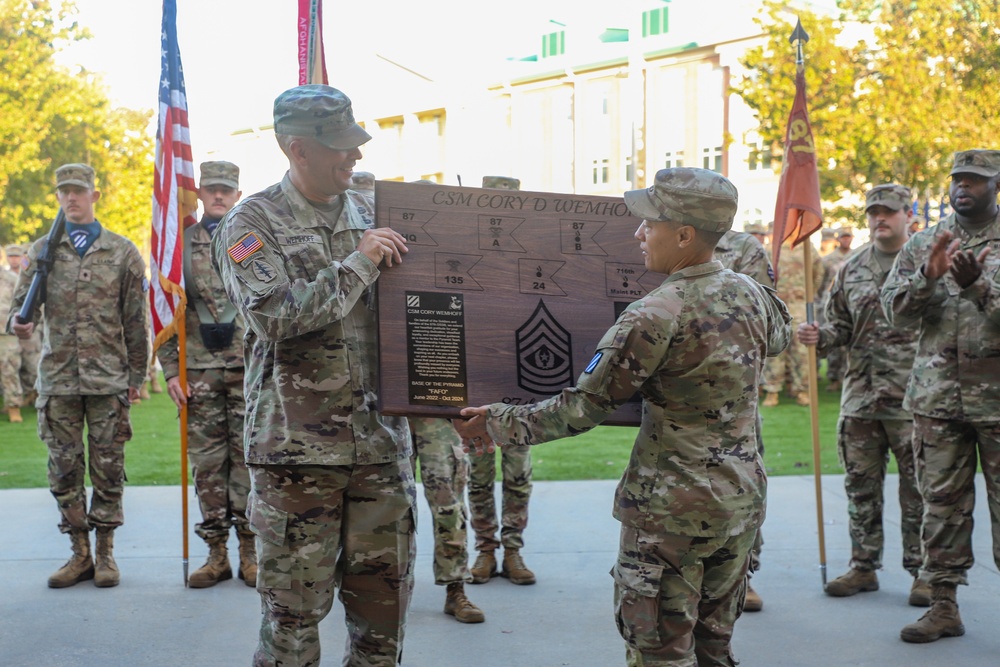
695, 271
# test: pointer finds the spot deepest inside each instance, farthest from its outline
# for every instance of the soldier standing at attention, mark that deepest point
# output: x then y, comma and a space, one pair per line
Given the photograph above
332, 494
214, 391
31, 348
944, 285
515, 472
873, 422
94, 359
10, 352
832, 261
743, 253
693, 494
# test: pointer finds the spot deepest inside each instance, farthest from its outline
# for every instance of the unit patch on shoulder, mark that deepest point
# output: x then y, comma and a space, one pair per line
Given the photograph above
263, 271
145, 284
593, 363
245, 247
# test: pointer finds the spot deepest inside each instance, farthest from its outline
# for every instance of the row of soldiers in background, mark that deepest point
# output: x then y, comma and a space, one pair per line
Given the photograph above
18, 358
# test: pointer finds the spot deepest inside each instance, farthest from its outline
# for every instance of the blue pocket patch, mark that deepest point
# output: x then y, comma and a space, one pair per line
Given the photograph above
593, 363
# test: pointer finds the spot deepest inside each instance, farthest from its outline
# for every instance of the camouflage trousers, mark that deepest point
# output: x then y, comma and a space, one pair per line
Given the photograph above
444, 471
788, 370
945, 453
864, 446
322, 527
10, 363
677, 597
215, 449
515, 465
61, 421
31, 350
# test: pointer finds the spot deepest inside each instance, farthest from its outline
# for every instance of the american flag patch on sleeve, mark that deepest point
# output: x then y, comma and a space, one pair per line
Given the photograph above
245, 247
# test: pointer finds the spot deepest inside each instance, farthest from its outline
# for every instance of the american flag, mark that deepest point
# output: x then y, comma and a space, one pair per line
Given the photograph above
175, 197
245, 247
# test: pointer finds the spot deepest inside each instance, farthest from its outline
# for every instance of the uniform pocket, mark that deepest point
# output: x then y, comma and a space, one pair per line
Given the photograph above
637, 602
270, 524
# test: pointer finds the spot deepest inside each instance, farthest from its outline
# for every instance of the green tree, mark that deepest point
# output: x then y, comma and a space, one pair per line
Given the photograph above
891, 107
50, 115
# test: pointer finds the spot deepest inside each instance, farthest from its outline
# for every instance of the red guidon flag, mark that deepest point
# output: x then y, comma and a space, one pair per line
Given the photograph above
797, 212
312, 60
175, 196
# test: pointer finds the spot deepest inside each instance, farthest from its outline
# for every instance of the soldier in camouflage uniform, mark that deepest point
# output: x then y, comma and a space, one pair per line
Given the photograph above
693, 495
31, 348
832, 261
743, 253
946, 285
10, 352
873, 422
214, 390
332, 493
515, 472
788, 370
759, 232
444, 471
94, 360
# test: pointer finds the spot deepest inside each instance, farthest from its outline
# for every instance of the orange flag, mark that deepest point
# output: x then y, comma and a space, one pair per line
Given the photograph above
797, 212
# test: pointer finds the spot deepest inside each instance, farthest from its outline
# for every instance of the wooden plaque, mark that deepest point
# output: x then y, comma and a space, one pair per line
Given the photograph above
503, 295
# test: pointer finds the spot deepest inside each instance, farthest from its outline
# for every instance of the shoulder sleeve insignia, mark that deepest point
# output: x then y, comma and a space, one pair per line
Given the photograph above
245, 247
263, 271
145, 284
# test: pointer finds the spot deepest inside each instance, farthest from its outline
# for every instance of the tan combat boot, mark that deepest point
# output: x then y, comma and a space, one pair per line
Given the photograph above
853, 582
485, 567
248, 558
802, 398
80, 566
15, 415
771, 400
514, 568
941, 620
752, 601
106, 572
215, 569
154, 384
920, 593
459, 606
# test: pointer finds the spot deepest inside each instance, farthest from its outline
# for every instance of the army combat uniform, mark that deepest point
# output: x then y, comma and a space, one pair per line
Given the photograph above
872, 422
95, 349
332, 489
216, 408
10, 352
693, 495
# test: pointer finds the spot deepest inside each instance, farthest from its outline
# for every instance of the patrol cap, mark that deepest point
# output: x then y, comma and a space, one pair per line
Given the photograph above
14, 250
220, 173
844, 231
890, 195
977, 161
502, 182
754, 228
688, 195
827, 234
363, 180
321, 112
75, 174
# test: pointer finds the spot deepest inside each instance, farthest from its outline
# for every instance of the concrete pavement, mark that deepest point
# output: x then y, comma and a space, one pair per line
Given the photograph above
565, 619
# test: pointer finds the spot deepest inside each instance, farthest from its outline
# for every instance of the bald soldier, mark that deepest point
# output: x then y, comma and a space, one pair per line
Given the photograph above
515, 472
94, 359
693, 494
944, 285
214, 389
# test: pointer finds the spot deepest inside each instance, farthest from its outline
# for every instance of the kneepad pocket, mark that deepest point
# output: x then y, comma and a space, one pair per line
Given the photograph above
637, 602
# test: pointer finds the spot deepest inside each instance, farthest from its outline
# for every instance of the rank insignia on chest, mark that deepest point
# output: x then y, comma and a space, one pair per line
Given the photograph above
263, 271
245, 247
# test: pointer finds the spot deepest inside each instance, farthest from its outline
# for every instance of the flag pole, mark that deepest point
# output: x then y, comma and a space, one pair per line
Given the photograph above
182, 377
799, 36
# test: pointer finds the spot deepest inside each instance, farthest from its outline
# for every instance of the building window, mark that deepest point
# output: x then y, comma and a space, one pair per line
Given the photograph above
629, 170
673, 159
760, 158
601, 168
711, 158
554, 44
655, 22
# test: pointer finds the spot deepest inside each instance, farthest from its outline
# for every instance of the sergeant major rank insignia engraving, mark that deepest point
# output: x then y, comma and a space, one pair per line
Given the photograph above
544, 353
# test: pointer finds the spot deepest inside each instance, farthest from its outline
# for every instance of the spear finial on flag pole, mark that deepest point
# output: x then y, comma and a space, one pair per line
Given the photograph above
797, 214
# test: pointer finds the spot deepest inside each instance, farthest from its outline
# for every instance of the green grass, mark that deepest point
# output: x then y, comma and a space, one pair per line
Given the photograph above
152, 457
